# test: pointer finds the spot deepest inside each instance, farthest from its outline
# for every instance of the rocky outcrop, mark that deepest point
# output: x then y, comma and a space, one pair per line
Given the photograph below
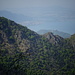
54, 39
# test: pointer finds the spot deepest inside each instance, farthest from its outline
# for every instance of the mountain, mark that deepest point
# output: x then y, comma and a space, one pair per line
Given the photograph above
72, 40
55, 32
54, 39
16, 17
24, 52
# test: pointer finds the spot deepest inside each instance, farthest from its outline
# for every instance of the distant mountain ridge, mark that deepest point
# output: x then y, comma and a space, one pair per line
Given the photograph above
55, 32
13, 16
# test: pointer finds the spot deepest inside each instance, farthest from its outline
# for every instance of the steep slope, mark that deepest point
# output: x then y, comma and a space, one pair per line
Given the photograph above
55, 32
24, 52
54, 39
72, 40
22, 43
16, 36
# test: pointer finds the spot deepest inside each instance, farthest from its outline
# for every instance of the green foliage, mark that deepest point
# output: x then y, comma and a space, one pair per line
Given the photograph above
24, 52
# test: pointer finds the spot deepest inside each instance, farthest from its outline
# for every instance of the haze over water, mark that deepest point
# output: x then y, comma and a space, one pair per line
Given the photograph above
45, 14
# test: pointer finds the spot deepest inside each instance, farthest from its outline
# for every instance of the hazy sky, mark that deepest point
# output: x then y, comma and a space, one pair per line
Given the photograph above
47, 14
36, 3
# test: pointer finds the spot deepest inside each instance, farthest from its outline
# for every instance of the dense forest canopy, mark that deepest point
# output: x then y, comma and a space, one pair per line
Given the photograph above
24, 52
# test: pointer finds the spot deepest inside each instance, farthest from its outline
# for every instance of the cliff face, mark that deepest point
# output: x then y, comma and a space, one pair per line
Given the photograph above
24, 52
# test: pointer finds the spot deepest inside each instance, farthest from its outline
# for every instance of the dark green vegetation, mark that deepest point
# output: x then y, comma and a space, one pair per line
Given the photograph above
24, 52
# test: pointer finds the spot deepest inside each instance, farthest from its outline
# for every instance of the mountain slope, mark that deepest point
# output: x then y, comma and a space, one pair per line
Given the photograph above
55, 32
72, 40
24, 52
13, 16
54, 39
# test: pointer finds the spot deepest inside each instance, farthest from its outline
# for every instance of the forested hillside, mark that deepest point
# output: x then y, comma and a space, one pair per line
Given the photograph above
24, 52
